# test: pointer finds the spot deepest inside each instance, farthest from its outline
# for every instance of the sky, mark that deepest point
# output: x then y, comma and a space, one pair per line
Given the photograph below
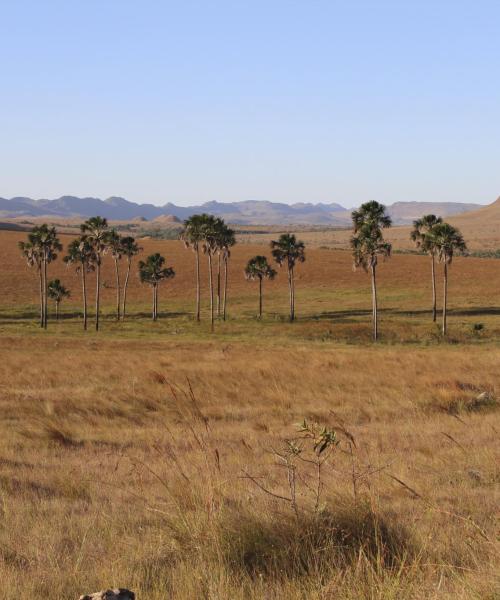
281, 100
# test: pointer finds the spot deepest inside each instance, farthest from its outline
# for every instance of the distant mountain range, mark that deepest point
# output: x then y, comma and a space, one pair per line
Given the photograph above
248, 212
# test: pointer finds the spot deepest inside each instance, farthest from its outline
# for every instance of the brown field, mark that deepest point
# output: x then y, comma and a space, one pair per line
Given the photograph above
147, 456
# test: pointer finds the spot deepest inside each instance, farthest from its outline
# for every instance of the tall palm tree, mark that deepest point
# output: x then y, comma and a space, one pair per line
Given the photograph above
419, 234
152, 272
259, 269
210, 230
33, 257
226, 241
367, 244
288, 251
95, 232
130, 248
43, 245
192, 236
446, 240
115, 247
57, 292
81, 254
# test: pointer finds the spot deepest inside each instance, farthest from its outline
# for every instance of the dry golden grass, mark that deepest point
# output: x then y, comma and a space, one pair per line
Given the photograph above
113, 473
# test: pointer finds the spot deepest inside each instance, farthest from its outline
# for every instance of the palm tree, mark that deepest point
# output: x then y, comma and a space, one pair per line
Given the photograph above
33, 257
419, 234
368, 244
259, 269
82, 255
210, 230
57, 292
192, 236
130, 248
95, 232
115, 246
226, 241
446, 240
153, 273
40, 250
288, 251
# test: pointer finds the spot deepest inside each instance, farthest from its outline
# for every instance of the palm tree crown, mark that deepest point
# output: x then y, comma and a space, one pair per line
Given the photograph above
258, 268
114, 243
370, 214
81, 254
31, 253
152, 271
446, 240
192, 234
45, 240
129, 247
421, 228
96, 232
57, 291
288, 251
211, 231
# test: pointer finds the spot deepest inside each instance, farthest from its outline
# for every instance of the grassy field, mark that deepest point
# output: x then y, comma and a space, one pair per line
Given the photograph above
166, 459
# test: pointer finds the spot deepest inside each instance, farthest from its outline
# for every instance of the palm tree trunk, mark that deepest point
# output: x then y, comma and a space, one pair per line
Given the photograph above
260, 297
197, 284
218, 284
118, 290
125, 286
154, 302
224, 299
57, 311
374, 302
211, 285
290, 286
97, 292
445, 296
45, 307
84, 291
433, 289
40, 274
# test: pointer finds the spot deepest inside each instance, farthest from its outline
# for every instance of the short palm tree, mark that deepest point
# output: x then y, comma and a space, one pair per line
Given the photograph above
446, 240
81, 254
192, 236
288, 251
259, 269
95, 231
41, 249
420, 235
367, 244
152, 272
130, 248
33, 256
57, 292
114, 243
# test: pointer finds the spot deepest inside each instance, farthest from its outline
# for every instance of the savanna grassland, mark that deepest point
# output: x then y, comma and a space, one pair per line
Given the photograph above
166, 459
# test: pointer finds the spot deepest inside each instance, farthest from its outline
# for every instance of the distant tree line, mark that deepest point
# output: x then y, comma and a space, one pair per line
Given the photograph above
210, 236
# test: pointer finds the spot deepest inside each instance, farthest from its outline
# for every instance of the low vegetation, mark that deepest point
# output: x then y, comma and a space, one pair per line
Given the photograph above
186, 470
261, 459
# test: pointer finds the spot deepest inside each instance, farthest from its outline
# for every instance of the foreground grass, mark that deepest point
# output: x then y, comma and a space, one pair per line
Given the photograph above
159, 456
136, 461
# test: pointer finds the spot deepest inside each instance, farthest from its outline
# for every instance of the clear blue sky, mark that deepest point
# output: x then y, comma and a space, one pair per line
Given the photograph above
282, 100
